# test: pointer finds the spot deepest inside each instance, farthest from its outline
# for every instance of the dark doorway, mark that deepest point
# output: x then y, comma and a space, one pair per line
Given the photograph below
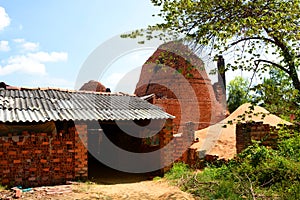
99, 172
102, 174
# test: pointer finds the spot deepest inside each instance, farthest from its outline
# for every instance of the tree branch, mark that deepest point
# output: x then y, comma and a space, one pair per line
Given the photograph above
251, 80
257, 62
268, 182
251, 188
252, 38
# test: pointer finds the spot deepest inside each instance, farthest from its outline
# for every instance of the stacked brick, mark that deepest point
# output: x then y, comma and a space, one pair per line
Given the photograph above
166, 136
246, 132
183, 142
35, 159
171, 106
81, 156
177, 148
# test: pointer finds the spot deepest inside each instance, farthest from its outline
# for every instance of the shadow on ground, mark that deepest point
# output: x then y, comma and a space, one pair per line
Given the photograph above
102, 174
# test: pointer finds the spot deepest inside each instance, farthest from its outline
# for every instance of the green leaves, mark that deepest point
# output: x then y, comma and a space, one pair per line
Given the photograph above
277, 94
254, 27
238, 90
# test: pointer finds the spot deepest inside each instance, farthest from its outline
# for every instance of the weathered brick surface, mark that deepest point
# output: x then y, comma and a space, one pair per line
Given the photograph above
246, 132
178, 79
33, 159
81, 157
175, 148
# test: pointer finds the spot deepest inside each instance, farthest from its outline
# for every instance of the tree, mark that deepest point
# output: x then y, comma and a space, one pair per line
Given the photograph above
276, 94
238, 90
249, 29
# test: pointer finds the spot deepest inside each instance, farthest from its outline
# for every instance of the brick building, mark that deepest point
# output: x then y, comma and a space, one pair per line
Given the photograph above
45, 134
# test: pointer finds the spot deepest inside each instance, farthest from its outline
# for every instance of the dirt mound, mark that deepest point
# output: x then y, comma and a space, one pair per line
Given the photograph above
220, 139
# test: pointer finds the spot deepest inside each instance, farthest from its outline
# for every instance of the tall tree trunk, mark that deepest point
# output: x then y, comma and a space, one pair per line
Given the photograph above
294, 76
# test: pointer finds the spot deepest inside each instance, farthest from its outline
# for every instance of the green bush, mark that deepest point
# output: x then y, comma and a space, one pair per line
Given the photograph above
212, 183
293, 192
178, 171
2, 188
269, 170
258, 172
289, 144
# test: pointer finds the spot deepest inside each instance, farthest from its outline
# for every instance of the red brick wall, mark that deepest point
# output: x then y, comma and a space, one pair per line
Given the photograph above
34, 159
81, 153
246, 132
166, 135
172, 107
183, 142
178, 151
203, 119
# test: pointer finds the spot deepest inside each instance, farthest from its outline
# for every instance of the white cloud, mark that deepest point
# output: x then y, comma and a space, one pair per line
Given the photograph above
27, 46
19, 40
32, 63
4, 19
30, 46
4, 46
29, 61
49, 57
22, 64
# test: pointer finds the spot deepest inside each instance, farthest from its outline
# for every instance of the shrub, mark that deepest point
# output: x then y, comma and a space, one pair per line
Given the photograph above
258, 172
289, 144
178, 171
2, 188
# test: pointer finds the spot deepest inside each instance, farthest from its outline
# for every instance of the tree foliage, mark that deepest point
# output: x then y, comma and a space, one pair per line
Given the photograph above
258, 33
276, 94
238, 90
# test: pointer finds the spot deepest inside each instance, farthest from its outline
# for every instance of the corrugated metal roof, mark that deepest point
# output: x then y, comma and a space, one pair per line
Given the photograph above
33, 105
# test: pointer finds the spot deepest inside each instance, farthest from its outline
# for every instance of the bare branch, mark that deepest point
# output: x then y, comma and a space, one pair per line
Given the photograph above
251, 187
251, 80
263, 185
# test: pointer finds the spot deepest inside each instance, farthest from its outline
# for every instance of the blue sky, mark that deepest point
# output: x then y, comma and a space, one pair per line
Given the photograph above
45, 43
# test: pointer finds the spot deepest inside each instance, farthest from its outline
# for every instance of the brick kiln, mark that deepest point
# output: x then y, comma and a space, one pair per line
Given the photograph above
181, 86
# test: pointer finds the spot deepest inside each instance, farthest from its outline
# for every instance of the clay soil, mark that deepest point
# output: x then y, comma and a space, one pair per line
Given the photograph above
137, 191
107, 184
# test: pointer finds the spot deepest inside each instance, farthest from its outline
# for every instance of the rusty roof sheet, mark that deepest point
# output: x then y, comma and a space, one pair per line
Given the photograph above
34, 105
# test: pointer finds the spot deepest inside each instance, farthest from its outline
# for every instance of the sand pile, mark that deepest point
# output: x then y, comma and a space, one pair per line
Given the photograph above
220, 139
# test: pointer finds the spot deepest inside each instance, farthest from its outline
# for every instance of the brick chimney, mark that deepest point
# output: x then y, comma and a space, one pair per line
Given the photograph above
221, 70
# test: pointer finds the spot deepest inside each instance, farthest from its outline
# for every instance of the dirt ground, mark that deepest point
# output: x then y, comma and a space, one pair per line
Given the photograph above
106, 184
147, 190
